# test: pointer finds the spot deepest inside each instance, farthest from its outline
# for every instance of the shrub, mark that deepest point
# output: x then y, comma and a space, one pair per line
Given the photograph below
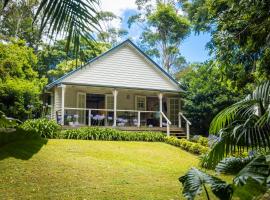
96, 133
203, 141
43, 127
187, 145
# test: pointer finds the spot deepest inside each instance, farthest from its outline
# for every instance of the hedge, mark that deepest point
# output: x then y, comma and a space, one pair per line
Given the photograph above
96, 133
50, 129
187, 145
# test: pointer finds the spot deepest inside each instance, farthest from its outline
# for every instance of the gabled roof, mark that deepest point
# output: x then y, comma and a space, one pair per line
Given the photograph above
128, 41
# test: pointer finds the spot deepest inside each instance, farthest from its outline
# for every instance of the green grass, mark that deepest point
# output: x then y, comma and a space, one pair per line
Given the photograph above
77, 169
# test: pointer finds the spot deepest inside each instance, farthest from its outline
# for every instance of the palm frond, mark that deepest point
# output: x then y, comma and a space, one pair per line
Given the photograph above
74, 19
258, 170
194, 181
243, 125
232, 165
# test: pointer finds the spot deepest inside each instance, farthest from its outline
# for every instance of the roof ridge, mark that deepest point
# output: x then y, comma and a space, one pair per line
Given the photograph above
57, 81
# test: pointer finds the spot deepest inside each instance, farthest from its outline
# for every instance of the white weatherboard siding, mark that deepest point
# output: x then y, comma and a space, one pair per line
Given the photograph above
122, 67
57, 101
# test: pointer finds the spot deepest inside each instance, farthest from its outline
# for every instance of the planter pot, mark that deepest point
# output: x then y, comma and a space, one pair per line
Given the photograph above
70, 123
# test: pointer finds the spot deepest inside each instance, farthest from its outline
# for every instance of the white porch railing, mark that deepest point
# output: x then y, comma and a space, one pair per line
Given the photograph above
188, 123
137, 123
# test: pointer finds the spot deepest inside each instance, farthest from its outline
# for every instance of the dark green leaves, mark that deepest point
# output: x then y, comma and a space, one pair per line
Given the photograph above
243, 125
258, 170
194, 181
74, 19
232, 165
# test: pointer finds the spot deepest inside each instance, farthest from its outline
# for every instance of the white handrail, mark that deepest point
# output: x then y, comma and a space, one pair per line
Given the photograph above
111, 110
168, 123
188, 123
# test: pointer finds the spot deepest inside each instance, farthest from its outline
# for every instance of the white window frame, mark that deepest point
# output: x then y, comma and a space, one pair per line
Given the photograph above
169, 106
136, 102
106, 100
77, 103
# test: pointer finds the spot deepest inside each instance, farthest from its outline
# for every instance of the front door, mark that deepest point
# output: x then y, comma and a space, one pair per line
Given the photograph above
81, 103
174, 109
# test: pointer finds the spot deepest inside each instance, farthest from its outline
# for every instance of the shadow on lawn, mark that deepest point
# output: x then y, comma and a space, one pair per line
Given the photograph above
23, 149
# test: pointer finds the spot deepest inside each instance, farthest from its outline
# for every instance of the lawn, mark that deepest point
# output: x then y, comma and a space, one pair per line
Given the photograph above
77, 169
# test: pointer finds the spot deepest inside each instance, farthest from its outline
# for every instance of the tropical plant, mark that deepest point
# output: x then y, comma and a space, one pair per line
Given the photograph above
73, 19
194, 181
232, 165
245, 124
206, 94
242, 126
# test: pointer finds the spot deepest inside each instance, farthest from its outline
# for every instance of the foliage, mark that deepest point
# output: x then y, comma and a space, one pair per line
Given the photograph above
195, 180
20, 86
73, 19
240, 37
20, 98
163, 32
6, 122
43, 127
206, 94
187, 145
17, 21
110, 34
55, 62
258, 170
96, 133
243, 124
232, 165
17, 60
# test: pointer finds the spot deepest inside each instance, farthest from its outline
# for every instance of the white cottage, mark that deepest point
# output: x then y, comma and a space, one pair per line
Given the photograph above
122, 88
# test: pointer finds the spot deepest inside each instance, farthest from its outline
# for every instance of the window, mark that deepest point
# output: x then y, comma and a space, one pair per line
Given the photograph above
109, 101
140, 103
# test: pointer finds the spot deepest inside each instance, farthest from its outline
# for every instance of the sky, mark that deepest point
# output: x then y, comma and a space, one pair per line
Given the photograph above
192, 48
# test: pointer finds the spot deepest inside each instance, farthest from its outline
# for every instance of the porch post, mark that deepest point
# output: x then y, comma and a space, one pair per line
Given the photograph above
115, 92
160, 95
63, 105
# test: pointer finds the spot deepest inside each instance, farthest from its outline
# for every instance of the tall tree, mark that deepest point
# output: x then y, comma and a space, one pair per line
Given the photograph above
109, 33
206, 94
20, 86
73, 19
240, 33
164, 29
17, 21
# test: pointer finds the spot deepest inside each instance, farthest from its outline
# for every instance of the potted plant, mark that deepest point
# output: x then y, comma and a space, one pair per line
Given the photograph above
69, 120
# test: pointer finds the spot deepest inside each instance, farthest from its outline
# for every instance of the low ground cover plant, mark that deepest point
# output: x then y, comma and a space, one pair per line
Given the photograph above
50, 129
44, 127
96, 133
187, 145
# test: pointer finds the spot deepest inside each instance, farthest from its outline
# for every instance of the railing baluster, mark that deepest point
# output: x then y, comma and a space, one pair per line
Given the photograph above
168, 129
179, 120
89, 117
139, 119
188, 133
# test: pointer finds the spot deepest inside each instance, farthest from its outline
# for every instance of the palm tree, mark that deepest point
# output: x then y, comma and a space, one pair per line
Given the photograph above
73, 19
243, 126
